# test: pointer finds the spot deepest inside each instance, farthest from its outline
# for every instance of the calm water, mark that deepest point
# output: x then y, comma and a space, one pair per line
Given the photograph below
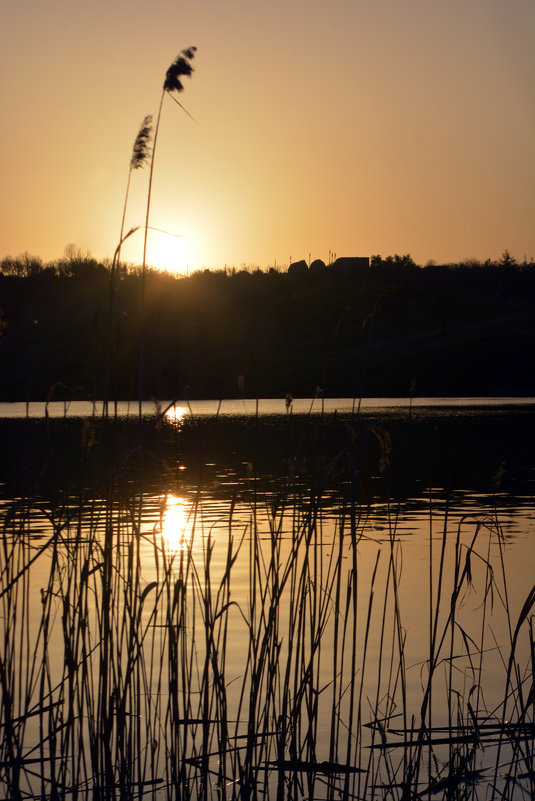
433, 481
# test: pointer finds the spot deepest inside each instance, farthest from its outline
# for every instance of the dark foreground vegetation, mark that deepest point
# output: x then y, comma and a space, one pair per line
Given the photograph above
265, 651
390, 329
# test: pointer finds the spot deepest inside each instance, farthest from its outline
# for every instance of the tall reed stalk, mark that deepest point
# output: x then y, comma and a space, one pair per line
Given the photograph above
139, 157
172, 84
180, 67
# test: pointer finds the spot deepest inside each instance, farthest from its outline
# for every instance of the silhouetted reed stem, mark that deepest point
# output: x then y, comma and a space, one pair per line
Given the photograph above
172, 83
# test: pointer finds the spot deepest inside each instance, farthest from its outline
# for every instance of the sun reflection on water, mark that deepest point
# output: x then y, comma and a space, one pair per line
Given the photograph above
175, 415
175, 529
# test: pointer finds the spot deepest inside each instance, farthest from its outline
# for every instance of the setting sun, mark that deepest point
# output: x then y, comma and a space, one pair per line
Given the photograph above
171, 252
414, 136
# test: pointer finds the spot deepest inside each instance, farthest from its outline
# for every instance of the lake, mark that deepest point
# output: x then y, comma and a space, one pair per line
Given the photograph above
321, 599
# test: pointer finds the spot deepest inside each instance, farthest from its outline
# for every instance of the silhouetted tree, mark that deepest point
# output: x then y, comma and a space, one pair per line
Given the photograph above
507, 260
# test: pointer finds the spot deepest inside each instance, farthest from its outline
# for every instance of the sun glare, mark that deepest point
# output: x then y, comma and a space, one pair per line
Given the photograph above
170, 252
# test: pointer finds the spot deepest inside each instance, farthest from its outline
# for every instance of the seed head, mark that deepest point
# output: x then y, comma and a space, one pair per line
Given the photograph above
140, 151
180, 66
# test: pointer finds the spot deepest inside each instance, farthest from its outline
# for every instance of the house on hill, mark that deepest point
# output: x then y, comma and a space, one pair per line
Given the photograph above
298, 268
352, 264
318, 266
345, 265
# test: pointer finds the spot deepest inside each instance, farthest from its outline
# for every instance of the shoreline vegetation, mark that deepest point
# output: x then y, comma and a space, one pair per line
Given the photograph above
355, 327
264, 652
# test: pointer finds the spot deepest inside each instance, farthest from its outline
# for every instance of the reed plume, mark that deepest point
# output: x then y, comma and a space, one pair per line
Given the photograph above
140, 156
141, 149
181, 66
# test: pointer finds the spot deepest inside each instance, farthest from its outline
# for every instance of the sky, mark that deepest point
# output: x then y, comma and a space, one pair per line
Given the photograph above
353, 127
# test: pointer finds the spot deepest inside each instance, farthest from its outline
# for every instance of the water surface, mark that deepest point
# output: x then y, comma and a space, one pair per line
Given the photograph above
372, 511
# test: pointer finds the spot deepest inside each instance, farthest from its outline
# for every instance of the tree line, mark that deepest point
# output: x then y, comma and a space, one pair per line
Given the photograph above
75, 261
394, 328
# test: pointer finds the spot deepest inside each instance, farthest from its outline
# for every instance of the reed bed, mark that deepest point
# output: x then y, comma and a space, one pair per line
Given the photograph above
257, 648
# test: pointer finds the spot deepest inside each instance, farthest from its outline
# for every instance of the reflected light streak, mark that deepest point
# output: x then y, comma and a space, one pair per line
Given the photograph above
176, 533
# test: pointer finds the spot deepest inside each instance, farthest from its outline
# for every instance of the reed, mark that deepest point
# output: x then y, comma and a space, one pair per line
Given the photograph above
172, 85
261, 655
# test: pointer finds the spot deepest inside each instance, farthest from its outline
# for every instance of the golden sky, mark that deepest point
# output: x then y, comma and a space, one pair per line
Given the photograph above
350, 126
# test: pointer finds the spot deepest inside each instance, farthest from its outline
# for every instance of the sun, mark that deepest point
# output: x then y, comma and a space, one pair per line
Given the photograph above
170, 252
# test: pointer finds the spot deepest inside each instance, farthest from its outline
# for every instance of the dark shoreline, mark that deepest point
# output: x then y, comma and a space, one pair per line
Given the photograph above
483, 449
385, 331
